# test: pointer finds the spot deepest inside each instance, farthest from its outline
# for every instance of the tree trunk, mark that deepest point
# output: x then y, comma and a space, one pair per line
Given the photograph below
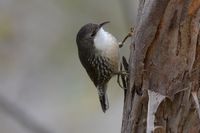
164, 65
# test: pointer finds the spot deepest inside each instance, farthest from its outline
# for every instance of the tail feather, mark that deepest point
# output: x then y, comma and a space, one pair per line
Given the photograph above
103, 98
104, 102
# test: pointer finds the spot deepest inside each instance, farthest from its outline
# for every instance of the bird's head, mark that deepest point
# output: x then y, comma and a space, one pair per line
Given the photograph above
86, 35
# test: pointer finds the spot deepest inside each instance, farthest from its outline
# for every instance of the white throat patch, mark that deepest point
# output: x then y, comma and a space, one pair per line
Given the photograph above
104, 40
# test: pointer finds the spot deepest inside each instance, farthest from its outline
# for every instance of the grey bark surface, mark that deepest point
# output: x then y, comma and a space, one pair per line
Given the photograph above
165, 59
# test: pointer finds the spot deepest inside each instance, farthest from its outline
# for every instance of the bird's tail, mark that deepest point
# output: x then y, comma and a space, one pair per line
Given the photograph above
103, 97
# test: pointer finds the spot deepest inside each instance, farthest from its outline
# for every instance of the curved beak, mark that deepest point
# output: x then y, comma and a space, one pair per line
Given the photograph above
102, 24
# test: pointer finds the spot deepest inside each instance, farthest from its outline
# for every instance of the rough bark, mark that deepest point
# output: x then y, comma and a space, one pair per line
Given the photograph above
165, 60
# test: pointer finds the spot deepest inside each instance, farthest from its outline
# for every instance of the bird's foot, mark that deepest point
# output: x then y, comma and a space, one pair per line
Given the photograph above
123, 74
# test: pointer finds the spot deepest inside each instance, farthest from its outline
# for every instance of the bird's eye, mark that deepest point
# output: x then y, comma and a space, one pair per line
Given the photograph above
93, 34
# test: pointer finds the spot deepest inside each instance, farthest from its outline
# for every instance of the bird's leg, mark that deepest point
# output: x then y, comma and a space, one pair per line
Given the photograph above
123, 85
119, 83
121, 44
123, 74
124, 80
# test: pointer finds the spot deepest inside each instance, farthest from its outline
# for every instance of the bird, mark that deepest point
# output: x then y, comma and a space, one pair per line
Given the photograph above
98, 51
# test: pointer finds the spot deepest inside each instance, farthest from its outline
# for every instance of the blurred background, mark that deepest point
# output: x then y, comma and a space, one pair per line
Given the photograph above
43, 87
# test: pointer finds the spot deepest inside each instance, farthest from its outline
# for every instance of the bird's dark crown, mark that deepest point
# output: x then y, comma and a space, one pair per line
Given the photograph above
88, 31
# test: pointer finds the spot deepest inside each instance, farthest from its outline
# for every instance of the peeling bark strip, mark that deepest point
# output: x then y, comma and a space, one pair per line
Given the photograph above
154, 101
165, 59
